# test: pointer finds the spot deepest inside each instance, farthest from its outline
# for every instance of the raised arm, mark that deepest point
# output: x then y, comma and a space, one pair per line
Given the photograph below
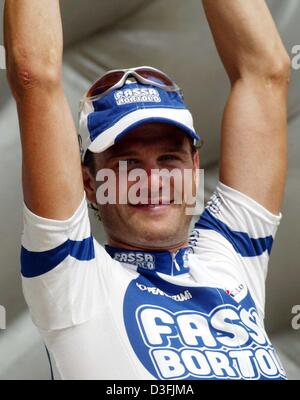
254, 128
51, 170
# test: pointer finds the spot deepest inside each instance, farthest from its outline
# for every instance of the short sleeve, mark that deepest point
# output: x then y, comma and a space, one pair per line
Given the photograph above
241, 232
60, 277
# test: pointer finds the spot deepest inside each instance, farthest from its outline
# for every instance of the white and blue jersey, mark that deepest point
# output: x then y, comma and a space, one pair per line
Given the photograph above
110, 313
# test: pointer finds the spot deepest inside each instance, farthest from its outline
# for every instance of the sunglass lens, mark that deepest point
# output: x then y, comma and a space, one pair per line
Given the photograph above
105, 83
155, 76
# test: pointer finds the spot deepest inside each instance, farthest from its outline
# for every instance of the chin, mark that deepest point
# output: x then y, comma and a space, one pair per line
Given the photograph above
159, 236
153, 230
164, 226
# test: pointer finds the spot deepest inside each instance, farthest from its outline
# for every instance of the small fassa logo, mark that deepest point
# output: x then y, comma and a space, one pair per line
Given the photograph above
137, 95
141, 260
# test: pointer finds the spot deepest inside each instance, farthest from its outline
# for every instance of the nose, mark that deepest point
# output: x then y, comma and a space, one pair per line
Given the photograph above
150, 166
154, 180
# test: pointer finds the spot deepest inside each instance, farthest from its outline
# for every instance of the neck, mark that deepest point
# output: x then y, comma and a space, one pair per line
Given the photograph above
173, 248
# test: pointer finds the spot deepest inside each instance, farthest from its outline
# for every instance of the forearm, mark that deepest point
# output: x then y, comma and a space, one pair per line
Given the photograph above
33, 40
246, 37
51, 172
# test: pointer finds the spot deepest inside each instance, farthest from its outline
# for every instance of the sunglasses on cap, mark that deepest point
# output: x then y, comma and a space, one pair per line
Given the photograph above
117, 78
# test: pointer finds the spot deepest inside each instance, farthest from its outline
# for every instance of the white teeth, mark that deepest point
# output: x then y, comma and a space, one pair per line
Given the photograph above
152, 205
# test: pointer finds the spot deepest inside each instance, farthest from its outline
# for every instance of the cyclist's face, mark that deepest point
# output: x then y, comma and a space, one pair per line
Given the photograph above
154, 157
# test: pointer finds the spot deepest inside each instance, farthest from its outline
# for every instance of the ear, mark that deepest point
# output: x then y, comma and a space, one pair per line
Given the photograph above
89, 182
196, 160
196, 166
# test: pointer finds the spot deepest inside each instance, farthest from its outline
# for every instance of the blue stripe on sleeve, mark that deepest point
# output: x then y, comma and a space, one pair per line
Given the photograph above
241, 241
38, 263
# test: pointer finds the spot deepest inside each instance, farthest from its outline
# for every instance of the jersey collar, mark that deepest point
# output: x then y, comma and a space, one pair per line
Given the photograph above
164, 262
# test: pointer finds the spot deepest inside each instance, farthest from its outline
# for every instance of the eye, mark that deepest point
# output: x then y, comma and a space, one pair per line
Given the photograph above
168, 157
131, 161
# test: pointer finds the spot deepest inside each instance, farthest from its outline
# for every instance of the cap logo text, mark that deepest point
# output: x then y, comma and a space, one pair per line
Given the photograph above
137, 95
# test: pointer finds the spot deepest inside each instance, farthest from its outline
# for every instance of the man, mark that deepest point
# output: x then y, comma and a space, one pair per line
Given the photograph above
152, 304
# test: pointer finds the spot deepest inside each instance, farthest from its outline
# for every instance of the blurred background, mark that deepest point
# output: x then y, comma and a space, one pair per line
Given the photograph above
172, 35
